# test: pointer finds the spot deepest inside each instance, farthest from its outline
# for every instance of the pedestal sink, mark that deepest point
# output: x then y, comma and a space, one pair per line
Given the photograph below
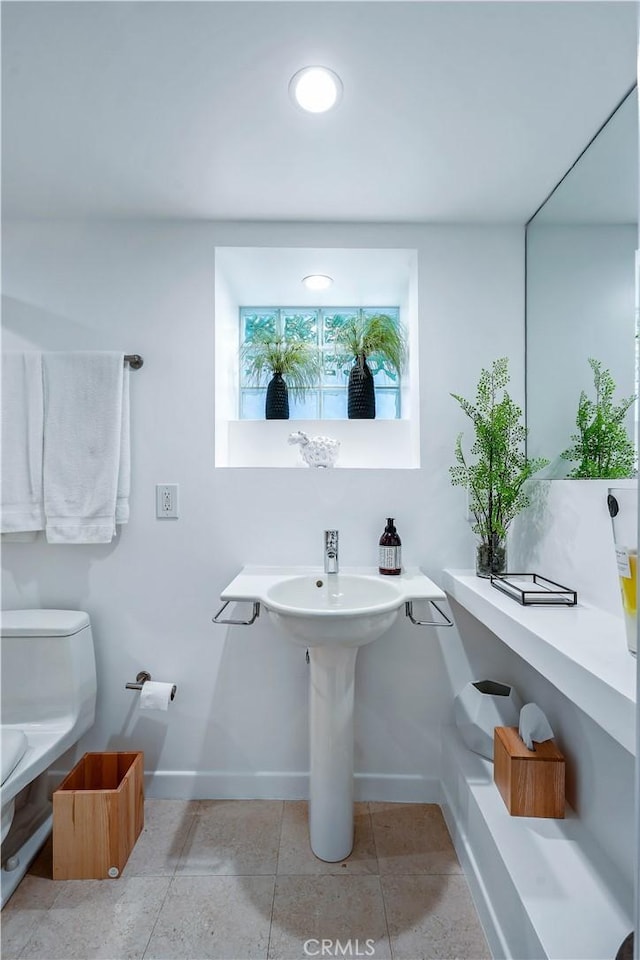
332, 615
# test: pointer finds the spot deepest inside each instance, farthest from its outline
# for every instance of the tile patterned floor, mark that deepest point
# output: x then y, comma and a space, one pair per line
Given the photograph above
236, 880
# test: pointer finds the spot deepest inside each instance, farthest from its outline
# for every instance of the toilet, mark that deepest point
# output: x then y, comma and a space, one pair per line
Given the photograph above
48, 702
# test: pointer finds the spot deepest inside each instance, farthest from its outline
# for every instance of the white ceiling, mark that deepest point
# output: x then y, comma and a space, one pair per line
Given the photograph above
452, 111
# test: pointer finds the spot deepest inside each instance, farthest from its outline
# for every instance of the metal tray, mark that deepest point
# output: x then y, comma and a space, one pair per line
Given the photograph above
532, 589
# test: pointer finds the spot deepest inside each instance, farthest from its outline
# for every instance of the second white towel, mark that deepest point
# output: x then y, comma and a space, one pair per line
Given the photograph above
83, 438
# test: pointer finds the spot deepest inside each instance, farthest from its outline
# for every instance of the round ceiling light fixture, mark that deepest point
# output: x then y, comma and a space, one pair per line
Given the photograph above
317, 281
315, 89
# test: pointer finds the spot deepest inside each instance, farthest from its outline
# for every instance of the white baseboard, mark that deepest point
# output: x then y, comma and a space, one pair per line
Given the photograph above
223, 785
217, 784
397, 788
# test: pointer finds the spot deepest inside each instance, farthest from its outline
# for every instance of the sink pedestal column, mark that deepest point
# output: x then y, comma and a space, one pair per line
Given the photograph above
332, 676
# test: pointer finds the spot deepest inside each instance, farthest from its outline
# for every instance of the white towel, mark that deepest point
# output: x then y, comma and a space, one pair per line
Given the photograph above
83, 436
22, 424
124, 471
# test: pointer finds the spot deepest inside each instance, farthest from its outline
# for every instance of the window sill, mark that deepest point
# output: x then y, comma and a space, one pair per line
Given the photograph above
364, 444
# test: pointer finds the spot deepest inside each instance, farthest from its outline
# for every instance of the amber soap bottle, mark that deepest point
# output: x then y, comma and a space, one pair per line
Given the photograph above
390, 551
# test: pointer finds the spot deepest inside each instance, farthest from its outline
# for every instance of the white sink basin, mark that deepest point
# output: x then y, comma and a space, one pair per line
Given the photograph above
344, 609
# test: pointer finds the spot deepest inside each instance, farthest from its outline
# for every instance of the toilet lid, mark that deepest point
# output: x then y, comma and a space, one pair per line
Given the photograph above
12, 747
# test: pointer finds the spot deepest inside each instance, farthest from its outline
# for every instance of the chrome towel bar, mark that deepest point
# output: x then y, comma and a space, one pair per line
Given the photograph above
239, 623
445, 622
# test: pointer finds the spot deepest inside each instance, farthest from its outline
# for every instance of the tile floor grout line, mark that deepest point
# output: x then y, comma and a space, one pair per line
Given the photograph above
379, 876
192, 827
155, 922
373, 837
280, 836
273, 901
275, 880
386, 918
171, 878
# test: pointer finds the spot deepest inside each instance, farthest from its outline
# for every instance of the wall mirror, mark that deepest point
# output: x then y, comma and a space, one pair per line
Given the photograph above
580, 286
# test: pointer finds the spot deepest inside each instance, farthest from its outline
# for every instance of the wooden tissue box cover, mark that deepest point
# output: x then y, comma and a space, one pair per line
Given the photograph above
531, 783
98, 813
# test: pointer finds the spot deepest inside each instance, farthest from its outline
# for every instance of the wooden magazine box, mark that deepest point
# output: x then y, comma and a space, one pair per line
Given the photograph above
98, 814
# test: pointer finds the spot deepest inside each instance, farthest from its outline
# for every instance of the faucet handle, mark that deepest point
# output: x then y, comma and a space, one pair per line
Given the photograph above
331, 539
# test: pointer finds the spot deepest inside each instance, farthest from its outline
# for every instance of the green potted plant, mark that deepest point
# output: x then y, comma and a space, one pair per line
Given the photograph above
495, 481
293, 365
376, 338
602, 448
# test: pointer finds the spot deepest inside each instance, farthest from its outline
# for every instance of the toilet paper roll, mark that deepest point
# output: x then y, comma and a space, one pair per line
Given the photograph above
155, 695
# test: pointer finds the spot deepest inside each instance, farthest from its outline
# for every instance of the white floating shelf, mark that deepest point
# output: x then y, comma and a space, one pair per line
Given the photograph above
556, 894
581, 650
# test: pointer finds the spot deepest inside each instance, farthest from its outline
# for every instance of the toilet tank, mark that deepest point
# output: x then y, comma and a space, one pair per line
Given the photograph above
48, 668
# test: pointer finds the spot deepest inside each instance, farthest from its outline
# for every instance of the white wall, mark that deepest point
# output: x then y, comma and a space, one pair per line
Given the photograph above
241, 705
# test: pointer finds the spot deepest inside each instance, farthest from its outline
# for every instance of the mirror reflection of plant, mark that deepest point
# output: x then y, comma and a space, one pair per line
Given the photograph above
496, 480
602, 447
268, 354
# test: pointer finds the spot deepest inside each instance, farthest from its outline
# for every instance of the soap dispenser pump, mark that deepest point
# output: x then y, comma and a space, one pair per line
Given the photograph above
390, 559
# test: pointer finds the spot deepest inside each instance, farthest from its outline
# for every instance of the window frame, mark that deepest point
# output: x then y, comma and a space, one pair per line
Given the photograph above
386, 386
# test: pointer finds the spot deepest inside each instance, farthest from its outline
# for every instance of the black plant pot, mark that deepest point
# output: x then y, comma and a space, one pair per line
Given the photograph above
361, 395
277, 403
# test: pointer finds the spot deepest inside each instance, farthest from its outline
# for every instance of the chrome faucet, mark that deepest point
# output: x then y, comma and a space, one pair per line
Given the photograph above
331, 551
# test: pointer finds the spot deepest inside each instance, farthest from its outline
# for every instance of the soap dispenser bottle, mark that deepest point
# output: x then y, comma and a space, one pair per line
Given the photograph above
390, 560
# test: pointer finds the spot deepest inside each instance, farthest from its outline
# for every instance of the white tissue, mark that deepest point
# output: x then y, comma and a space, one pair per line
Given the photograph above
533, 726
155, 695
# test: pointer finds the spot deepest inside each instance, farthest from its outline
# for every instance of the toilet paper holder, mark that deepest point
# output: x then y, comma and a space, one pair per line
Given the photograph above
141, 679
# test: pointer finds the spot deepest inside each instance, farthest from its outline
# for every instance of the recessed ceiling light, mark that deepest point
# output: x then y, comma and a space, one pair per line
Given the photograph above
317, 281
315, 89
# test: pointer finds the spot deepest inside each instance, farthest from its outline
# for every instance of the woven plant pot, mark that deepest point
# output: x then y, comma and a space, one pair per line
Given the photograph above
277, 401
361, 396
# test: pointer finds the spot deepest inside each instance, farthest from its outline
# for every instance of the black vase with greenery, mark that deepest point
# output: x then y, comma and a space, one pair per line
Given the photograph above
364, 338
276, 405
293, 365
361, 394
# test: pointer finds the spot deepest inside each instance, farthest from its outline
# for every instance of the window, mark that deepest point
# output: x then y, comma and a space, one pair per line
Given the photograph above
318, 326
